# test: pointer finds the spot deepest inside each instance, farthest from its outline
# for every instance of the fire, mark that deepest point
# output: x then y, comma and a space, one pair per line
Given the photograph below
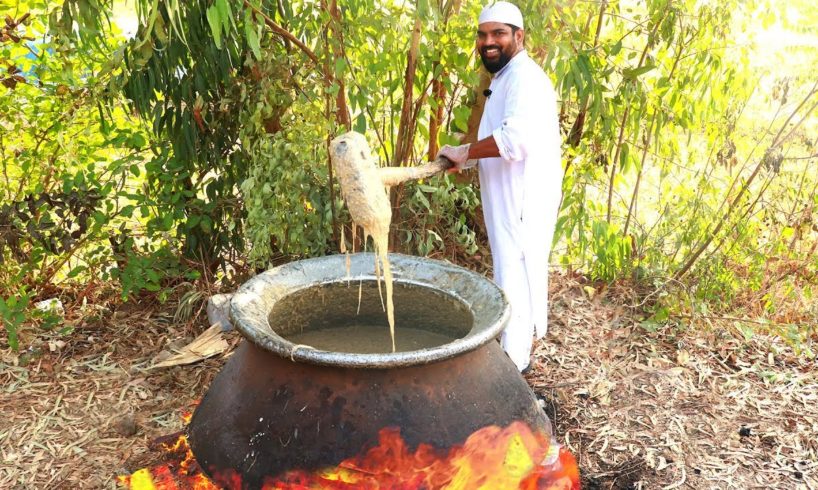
180, 472
492, 458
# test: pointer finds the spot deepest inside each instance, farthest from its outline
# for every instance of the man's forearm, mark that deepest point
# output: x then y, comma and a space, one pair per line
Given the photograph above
485, 148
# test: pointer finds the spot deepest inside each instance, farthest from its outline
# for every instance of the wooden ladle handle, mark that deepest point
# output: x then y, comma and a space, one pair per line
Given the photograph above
391, 176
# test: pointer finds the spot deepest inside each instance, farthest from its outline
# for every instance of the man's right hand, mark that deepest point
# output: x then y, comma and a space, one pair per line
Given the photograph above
458, 155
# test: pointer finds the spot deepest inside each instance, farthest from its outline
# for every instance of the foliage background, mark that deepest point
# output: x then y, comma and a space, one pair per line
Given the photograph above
193, 147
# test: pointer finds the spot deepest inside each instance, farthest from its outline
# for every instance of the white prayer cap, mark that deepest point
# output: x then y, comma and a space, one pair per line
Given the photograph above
503, 12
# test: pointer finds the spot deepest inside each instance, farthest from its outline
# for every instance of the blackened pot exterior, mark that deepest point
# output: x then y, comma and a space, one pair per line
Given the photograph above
276, 407
264, 415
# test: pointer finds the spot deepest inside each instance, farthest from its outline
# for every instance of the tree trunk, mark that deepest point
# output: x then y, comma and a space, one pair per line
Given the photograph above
436, 116
477, 108
615, 161
439, 88
404, 141
575, 135
632, 206
341, 110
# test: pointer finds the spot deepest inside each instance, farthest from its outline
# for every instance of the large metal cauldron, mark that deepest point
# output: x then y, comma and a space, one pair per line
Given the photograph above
277, 407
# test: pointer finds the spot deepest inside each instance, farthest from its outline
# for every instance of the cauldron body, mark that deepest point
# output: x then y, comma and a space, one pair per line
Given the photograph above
277, 406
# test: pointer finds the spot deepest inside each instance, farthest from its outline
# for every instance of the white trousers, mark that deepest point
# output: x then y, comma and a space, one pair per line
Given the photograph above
518, 336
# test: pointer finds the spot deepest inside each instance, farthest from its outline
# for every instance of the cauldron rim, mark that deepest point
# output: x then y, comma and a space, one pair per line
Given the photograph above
254, 300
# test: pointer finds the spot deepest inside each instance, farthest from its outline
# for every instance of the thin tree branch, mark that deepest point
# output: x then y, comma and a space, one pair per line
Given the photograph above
615, 161
285, 34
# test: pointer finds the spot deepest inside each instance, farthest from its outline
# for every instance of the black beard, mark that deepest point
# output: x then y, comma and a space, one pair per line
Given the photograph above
495, 66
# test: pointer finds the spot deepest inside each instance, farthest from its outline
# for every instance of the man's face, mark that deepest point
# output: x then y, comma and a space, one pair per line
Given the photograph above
497, 44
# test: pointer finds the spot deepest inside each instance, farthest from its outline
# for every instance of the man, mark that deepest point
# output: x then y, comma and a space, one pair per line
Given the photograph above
520, 169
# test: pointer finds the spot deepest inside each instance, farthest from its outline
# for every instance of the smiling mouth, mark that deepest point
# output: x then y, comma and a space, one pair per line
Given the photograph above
491, 52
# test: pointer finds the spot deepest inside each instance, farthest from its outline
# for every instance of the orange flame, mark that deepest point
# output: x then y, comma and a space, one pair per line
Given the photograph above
180, 472
492, 458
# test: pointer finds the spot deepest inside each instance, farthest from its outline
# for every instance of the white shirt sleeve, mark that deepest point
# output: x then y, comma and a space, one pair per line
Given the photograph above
523, 110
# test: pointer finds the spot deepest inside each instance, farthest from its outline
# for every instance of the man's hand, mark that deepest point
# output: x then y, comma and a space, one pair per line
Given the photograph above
458, 155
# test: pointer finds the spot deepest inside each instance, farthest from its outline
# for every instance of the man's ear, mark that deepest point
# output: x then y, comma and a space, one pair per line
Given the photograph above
520, 34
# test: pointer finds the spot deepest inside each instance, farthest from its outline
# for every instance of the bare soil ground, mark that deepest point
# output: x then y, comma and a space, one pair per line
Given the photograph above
701, 408
695, 408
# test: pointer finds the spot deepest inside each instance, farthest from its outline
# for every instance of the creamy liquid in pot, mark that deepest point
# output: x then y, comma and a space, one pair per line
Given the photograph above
369, 339
343, 317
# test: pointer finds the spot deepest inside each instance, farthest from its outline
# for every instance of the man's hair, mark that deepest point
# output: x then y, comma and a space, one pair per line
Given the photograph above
514, 30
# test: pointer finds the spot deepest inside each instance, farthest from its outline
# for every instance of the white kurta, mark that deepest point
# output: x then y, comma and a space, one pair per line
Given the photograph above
520, 194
